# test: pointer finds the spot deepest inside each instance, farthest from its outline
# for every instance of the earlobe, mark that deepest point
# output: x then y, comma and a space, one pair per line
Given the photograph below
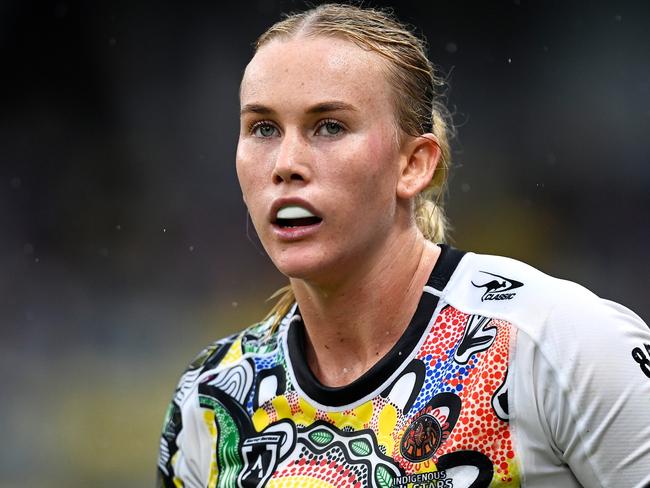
419, 163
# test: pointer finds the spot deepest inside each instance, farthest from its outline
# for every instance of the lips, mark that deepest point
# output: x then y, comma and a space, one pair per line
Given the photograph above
294, 218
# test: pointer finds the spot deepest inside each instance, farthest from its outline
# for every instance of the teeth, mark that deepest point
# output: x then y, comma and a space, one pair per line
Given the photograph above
294, 212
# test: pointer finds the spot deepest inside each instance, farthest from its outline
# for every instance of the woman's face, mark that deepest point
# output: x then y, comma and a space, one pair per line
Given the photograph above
317, 158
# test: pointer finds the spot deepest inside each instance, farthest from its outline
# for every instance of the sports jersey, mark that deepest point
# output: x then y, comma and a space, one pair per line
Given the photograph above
504, 377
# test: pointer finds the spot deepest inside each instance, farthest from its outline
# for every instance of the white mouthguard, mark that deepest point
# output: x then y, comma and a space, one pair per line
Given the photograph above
294, 212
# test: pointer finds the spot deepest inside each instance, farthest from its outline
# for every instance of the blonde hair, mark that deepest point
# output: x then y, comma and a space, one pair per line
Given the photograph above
416, 88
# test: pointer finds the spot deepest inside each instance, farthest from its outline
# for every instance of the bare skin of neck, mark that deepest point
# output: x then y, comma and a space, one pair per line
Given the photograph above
351, 328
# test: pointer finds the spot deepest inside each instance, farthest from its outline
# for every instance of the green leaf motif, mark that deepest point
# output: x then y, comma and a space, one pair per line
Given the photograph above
360, 447
229, 461
384, 477
321, 437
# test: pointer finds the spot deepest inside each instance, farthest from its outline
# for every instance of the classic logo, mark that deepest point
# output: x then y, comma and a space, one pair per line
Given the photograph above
421, 439
261, 455
496, 288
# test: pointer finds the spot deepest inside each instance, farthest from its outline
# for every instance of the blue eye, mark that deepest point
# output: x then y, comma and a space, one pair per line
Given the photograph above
264, 129
329, 128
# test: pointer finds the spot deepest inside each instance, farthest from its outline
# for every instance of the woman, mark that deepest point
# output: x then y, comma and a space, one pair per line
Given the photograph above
390, 360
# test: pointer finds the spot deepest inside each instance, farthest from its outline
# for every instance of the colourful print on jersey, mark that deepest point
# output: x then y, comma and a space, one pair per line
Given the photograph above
442, 423
468, 356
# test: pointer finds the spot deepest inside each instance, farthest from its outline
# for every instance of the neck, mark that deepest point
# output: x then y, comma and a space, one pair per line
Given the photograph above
352, 325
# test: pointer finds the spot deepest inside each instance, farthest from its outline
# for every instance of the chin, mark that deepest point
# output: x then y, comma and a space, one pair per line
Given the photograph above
298, 271
302, 267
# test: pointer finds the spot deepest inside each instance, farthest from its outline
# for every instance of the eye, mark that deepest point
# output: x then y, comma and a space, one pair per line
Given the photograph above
329, 128
264, 130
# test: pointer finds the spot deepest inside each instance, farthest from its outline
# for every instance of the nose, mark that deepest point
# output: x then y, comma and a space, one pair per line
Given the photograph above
292, 160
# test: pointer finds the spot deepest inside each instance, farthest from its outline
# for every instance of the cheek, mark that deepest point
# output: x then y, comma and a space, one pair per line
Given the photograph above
381, 164
250, 189
248, 171
378, 143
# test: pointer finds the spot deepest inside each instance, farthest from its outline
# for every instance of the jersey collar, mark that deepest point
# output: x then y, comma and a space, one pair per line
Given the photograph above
376, 377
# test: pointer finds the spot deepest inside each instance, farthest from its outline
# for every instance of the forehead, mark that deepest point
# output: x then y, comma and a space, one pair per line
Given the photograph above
302, 69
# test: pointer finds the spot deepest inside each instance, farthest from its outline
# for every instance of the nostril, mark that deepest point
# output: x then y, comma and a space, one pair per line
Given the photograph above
280, 177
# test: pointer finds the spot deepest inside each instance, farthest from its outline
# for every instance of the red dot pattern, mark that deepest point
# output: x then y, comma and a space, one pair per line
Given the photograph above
445, 334
478, 428
331, 470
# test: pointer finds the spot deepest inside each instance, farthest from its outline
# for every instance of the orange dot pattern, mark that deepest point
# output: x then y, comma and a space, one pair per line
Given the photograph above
330, 471
478, 427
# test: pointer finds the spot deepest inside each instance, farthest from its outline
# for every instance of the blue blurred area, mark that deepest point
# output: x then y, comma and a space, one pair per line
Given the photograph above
124, 244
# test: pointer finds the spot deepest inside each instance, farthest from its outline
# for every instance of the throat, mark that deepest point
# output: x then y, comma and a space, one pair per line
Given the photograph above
349, 331
339, 356
338, 376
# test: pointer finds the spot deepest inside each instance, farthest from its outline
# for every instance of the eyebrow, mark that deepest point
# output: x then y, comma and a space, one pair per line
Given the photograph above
333, 106
330, 106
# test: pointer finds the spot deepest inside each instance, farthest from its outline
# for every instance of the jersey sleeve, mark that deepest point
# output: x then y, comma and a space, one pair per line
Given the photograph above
592, 382
180, 457
187, 442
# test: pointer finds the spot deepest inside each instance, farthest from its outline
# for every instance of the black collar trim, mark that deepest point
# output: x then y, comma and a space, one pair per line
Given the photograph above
376, 376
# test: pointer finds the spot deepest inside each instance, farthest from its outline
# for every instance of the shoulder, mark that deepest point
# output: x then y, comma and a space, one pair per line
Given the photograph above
502, 283
228, 365
234, 351
582, 362
565, 322
531, 300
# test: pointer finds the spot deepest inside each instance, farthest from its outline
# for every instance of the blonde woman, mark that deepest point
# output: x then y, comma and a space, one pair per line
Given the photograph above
392, 359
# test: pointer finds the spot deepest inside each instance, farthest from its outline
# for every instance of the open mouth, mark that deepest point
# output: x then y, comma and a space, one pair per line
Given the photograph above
295, 216
301, 222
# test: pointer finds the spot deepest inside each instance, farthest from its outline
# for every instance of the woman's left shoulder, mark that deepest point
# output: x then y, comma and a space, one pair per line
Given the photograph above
532, 300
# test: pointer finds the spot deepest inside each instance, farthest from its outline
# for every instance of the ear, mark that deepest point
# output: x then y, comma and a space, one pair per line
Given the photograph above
420, 157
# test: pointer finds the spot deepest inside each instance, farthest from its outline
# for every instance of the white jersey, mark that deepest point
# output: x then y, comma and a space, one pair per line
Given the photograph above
504, 377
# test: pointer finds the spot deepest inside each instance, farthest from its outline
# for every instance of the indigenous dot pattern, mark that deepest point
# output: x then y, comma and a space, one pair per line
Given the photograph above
331, 469
265, 362
261, 363
478, 428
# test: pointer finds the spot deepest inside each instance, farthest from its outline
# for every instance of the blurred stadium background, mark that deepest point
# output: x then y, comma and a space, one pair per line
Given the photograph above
124, 244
